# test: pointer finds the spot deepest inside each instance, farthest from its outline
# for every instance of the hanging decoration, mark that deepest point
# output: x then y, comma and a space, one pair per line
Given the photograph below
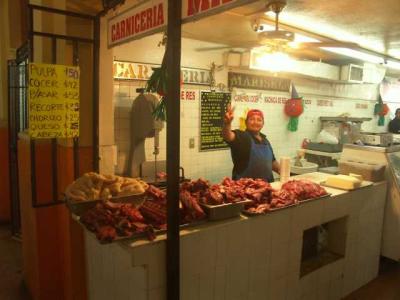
381, 109
294, 108
157, 83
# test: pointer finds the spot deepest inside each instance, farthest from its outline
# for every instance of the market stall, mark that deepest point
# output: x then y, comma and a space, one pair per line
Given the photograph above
198, 233
195, 121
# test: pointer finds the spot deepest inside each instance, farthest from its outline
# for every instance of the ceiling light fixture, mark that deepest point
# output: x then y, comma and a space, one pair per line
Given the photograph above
273, 62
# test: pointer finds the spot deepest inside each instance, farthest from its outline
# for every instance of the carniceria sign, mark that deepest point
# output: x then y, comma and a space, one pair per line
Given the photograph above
124, 70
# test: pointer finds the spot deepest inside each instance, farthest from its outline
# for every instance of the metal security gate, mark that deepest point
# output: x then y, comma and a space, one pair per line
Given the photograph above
17, 122
18, 119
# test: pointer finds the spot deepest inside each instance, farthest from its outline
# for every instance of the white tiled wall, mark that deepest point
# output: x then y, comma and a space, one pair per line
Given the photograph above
214, 165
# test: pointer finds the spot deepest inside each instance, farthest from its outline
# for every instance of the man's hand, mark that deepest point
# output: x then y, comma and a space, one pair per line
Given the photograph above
228, 118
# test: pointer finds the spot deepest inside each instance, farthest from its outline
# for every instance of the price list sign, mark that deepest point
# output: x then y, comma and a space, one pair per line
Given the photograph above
212, 109
53, 97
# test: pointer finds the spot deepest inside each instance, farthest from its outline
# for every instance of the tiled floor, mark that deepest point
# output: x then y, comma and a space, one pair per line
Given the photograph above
385, 287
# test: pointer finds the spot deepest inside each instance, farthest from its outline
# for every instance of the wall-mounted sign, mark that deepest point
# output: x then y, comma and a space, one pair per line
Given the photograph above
138, 71
257, 82
212, 109
197, 9
150, 17
190, 95
324, 103
361, 105
53, 99
141, 20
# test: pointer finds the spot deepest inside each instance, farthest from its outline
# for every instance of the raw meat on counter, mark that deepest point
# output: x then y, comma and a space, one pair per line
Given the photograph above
265, 198
304, 189
154, 209
111, 220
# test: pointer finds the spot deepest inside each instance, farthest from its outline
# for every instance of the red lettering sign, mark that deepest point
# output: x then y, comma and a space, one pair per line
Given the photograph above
197, 6
136, 21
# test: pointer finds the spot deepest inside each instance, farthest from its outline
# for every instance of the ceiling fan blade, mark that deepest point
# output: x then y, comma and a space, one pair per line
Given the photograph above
333, 44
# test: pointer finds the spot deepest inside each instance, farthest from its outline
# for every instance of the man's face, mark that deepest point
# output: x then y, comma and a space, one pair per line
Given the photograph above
255, 123
398, 114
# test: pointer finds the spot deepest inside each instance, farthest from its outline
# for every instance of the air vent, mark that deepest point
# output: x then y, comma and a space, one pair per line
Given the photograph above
352, 73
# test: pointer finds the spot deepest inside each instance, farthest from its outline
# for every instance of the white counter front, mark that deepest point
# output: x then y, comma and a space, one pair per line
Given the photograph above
251, 258
391, 225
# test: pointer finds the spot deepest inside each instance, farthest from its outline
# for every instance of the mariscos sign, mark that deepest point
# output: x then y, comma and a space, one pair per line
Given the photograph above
151, 17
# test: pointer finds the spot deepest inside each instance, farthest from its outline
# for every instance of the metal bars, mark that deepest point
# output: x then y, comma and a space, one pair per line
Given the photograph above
13, 126
54, 152
54, 145
96, 78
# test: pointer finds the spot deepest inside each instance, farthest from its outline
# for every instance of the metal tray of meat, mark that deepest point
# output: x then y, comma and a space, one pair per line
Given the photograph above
158, 231
283, 207
134, 236
224, 211
253, 214
79, 207
313, 199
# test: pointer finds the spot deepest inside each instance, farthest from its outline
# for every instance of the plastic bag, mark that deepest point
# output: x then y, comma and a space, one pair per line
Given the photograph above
326, 138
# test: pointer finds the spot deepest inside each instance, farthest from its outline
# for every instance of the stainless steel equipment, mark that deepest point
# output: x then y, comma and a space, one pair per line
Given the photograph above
345, 129
396, 138
377, 139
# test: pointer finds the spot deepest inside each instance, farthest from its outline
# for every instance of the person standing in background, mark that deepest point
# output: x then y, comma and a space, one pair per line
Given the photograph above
394, 125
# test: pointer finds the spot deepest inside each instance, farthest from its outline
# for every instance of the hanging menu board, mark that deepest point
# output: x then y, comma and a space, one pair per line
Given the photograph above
212, 109
53, 97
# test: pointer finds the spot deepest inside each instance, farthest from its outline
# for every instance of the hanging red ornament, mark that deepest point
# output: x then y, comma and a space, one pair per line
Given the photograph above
384, 110
381, 109
294, 107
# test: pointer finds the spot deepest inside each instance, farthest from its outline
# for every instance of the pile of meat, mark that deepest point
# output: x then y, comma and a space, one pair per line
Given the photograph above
304, 189
200, 191
154, 209
111, 220
291, 192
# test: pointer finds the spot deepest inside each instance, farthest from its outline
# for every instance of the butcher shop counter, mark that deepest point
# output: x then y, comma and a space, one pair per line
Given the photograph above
321, 249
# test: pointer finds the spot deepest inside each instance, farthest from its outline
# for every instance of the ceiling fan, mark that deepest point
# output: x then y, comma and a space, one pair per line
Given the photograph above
279, 40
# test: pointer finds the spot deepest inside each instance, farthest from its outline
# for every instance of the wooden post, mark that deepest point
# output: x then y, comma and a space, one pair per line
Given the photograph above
173, 53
